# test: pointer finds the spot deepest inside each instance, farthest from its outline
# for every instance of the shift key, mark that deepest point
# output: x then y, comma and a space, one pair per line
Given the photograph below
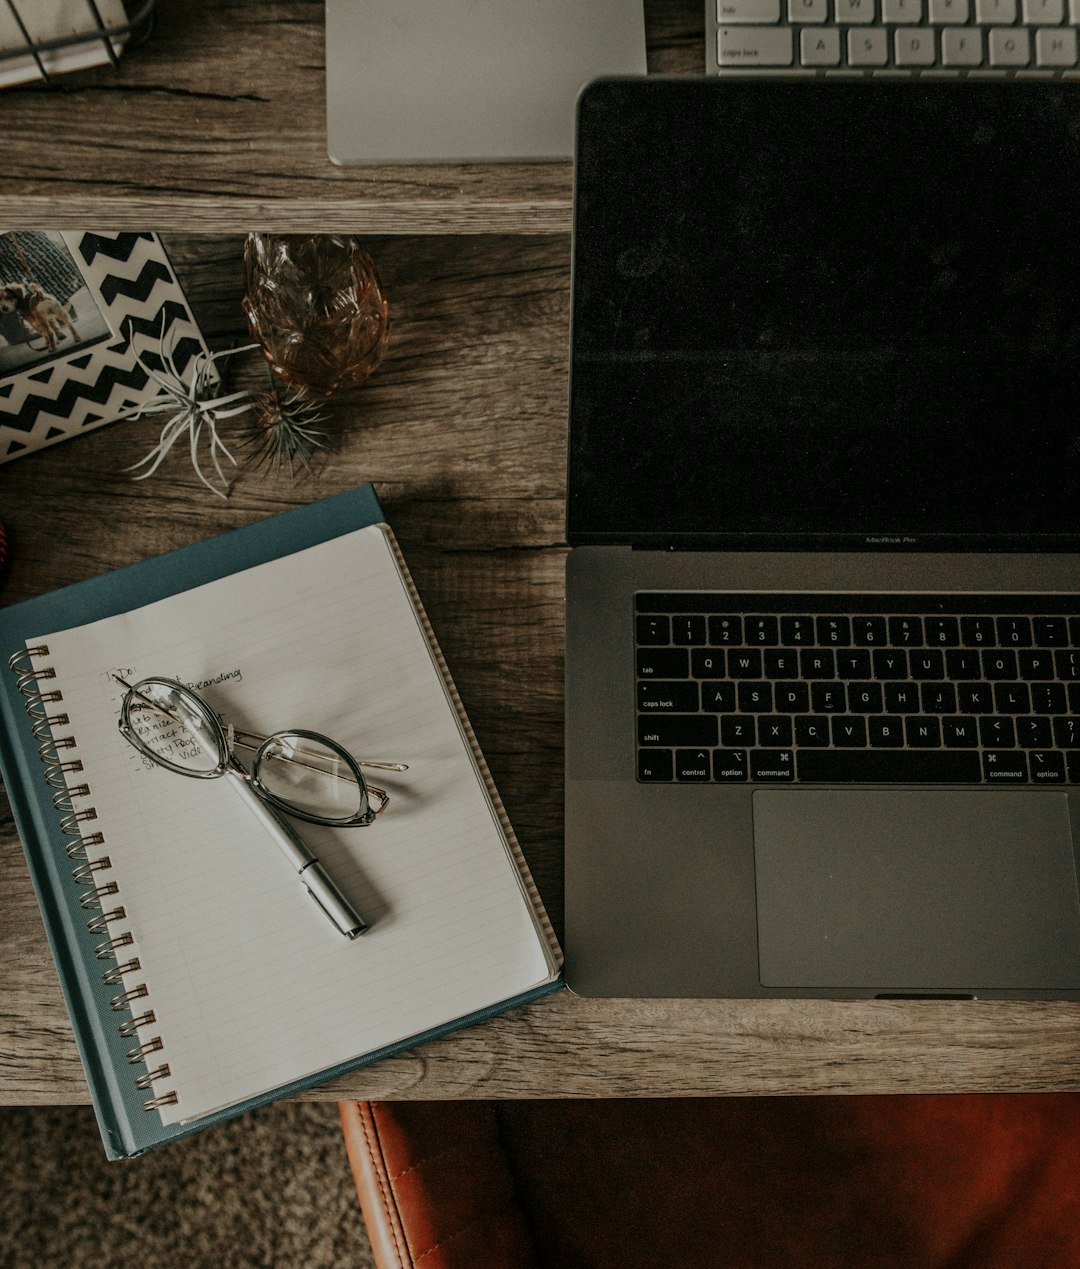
688, 730
755, 45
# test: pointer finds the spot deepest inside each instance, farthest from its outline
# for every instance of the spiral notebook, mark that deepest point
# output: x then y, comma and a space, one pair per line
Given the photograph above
200, 978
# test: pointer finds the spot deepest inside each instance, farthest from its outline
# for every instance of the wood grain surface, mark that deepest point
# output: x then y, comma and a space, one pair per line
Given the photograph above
217, 123
462, 430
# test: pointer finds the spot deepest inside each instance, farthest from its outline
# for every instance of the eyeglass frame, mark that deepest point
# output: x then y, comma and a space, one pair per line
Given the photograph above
226, 743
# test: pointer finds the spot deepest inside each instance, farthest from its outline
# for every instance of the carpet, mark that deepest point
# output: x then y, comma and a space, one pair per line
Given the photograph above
270, 1189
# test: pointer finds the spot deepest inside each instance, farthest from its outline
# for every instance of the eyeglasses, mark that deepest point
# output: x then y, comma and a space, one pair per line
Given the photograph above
297, 772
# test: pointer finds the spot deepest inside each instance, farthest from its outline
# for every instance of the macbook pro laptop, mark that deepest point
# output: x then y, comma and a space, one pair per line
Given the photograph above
823, 621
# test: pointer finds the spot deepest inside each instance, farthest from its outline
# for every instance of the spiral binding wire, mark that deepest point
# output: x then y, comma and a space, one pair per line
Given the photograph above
58, 763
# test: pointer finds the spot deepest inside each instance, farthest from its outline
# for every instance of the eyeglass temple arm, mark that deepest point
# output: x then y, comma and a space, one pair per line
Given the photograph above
252, 740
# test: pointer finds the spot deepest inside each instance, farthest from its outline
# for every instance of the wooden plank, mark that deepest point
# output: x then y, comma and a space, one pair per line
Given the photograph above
217, 124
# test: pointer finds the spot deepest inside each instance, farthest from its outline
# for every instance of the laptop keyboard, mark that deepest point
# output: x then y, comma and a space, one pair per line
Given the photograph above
897, 37
858, 689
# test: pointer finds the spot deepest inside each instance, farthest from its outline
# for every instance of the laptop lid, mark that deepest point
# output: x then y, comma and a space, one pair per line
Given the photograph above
839, 314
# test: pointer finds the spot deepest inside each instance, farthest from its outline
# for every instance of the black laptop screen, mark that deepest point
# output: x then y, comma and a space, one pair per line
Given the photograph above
834, 313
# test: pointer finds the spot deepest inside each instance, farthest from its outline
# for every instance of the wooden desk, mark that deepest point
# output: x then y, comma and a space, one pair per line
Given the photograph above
463, 432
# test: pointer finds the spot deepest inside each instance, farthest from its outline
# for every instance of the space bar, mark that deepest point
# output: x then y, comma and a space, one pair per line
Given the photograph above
883, 766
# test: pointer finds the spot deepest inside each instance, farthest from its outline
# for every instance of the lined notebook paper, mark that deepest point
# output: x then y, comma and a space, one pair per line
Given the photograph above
250, 985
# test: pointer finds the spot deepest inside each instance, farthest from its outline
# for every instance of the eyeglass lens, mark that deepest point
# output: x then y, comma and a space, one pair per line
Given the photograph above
310, 776
175, 727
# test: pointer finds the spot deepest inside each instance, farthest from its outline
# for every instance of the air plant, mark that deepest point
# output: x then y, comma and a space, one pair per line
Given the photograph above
286, 429
193, 410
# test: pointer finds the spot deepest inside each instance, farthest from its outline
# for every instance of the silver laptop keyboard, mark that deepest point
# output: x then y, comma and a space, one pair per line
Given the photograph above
845, 689
894, 37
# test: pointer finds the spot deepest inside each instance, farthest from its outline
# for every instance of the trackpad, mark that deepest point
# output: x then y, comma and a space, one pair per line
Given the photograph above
916, 890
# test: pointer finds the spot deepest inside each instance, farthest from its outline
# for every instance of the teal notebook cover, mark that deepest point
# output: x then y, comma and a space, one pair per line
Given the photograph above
126, 1128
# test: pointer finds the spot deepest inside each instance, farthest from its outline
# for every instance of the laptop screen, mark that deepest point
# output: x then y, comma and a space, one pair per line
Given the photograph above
839, 313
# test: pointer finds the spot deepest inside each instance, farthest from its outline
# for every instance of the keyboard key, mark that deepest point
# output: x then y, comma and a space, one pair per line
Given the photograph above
927, 665
902, 698
948, 12
666, 697
854, 10
792, 698
828, 698
755, 698
898, 11
730, 766
997, 733
762, 631
1046, 766
975, 698
915, 47
819, 46
867, 632
781, 663
775, 731
849, 732
1009, 47
796, 630
688, 630
868, 766
866, 698
655, 764
885, 731
906, 631
853, 664
1067, 665
833, 632
998, 12
662, 663
653, 630
763, 11
890, 663
1048, 698
1000, 665
695, 730
938, 698
922, 733
1011, 698
1072, 759
1036, 665
725, 630
811, 730
963, 663
1034, 733
1005, 767
754, 46
1067, 732
693, 765
718, 697
745, 663
817, 663
959, 733
1051, 632
808, 10
868, 46
1042, 12
942, 632
737, 730
1014, 632
772, 766
708, 663
978, 632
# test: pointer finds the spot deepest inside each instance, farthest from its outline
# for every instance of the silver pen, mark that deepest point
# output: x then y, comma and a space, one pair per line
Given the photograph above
338, 909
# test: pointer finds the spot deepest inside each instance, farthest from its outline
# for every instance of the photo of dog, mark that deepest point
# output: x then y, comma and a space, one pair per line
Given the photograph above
41, 312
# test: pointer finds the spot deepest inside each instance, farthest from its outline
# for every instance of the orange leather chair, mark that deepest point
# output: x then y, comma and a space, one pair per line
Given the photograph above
987, 1181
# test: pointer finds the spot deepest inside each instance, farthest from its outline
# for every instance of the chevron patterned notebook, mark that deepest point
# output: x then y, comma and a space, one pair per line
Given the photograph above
83, 319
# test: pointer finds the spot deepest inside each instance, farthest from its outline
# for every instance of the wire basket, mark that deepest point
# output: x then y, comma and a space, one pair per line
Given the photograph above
40, 39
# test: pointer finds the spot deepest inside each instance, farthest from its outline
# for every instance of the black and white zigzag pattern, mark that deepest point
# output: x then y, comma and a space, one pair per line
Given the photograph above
142, 302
